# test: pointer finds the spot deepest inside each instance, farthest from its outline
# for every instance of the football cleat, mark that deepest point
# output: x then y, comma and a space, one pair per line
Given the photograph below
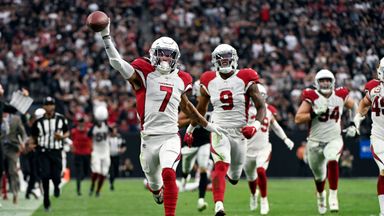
264, 206
219, 209
159, 198
321, 202
333, 201
201, 204
253, 201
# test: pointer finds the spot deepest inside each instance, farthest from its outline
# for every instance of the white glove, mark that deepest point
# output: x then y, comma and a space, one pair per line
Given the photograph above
289, 143
320, 107
106, 31
351, 131
357, 120
215, 128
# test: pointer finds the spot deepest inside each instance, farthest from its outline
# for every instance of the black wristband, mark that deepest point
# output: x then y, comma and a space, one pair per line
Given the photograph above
313, 115
106, 37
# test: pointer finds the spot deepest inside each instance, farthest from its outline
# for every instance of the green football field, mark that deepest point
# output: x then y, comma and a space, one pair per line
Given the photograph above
286, 197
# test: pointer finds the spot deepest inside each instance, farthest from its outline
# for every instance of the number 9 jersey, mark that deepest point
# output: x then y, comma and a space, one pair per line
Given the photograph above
326, 127
229, 96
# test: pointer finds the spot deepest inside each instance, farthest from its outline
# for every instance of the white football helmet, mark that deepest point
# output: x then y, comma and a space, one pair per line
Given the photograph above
224, 58
324, 74
39, 112
101, 113
380, 70
164, 46
262, 90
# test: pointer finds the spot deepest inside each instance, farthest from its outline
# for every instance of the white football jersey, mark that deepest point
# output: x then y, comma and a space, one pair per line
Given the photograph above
159, 97
99, 134
375, 94
261, 139
326, 127
228, 96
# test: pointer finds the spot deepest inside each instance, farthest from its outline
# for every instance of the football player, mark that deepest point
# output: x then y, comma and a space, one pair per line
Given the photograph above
160, 89
322, 108
259, 151
374, 99
100, 158
229, 90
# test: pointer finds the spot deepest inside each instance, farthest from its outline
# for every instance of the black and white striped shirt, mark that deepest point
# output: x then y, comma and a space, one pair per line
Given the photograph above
44, 130
115, 143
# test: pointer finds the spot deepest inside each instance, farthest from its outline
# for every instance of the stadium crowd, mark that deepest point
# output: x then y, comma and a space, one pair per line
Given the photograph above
47, 48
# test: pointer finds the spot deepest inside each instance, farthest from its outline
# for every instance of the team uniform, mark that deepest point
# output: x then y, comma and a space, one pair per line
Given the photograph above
259, 148
324, 141
158, 101
375, 94
230, 111
100, 158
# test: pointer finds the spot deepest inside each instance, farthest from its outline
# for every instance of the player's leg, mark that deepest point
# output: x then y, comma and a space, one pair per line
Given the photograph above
44, 164
263, 157
251, 174
78, 172
113, 171
203, 160
170, 153
188, 159
317, 163
104, 168
220, 151
95, 169
332, 152
56, 170
377, 149
238, 155
150, 164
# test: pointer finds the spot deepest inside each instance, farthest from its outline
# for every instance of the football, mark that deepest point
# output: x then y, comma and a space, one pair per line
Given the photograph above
97, 21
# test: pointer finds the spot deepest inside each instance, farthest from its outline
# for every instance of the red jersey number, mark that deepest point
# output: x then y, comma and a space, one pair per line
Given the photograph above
328, 115
378, 106
227, 100
167, 97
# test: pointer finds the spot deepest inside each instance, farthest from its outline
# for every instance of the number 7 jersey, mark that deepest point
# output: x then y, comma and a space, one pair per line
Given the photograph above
159, 97
229, 96
326, 127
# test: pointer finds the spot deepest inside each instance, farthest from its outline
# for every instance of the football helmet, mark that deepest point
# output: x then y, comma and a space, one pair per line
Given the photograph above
324, 74
262, 90
164, 47
101, 113
380, 70
224, 58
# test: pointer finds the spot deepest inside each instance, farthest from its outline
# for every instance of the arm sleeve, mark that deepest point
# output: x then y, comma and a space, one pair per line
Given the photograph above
119, 64
278, 130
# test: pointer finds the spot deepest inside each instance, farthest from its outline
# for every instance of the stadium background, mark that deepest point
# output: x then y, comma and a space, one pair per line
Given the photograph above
46, 48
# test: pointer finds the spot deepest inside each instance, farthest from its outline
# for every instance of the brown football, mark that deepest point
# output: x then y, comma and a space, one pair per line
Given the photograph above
97, 21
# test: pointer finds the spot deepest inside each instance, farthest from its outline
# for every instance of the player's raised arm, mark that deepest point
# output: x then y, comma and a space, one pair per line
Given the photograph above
281, 134
115, 60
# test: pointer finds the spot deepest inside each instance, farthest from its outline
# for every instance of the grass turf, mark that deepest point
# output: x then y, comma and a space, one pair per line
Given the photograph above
286, 197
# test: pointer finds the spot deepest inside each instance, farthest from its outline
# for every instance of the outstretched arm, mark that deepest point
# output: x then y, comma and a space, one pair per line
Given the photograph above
115, 60
281, 134
362, 111
303, 114
190, 110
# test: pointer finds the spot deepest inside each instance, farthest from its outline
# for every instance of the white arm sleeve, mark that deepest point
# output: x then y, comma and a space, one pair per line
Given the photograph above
119, 64
278, 130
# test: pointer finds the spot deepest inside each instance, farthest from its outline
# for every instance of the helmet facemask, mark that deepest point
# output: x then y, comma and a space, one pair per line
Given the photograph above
164, 54
325, 87
224, 59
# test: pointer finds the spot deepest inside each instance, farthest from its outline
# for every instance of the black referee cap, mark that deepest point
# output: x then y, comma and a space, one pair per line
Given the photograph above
49, 101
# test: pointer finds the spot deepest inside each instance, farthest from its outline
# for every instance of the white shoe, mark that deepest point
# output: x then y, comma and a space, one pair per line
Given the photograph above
264, 206
253, 201
333, 201
219, 208
201, 204
321, 202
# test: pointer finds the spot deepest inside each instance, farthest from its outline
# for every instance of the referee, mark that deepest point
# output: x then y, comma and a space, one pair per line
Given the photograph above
48, 134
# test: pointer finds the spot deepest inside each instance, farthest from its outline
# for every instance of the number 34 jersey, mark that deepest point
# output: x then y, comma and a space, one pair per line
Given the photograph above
228, 96
326, 127
375, 94
159, 97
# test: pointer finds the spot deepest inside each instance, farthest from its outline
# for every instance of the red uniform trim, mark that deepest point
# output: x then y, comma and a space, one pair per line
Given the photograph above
342, 92
248, 75
207, 77
309, 95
